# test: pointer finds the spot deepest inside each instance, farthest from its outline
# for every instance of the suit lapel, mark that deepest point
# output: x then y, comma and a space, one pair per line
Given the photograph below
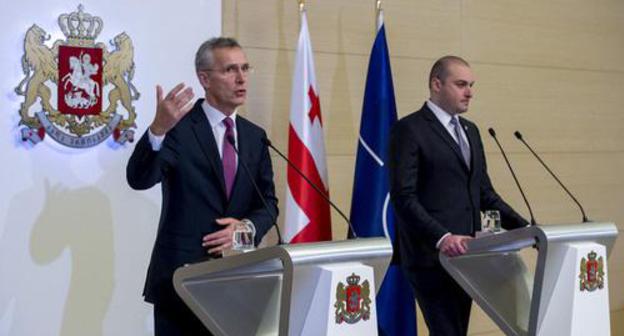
205, 138
440, 130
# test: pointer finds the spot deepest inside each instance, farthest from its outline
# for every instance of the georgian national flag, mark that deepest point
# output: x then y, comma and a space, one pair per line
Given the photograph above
307, 213
371, 212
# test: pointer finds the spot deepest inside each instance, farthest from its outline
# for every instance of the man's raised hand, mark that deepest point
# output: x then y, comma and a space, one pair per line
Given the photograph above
170, 109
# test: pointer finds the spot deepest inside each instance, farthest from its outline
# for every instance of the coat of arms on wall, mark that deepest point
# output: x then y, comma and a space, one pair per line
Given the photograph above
77, 74
592, 272
353, 301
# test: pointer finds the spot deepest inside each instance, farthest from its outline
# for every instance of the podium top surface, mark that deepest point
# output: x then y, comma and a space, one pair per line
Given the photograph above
602, 233
340, 251
288, 256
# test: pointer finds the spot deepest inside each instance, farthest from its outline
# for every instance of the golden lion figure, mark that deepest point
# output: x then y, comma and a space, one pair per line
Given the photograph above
39, 66
119, 66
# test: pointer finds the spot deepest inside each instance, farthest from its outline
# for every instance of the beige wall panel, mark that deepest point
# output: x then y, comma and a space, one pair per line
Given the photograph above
617, 322
410, 83
480, 322
497, 332
341, 185
421, 326
616, 259
616, 290
333, 25
279, 171
556, 110
417, 28
560, 34
594, 178
423, 29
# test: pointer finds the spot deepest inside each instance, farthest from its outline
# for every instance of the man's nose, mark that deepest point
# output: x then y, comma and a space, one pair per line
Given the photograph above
241, 77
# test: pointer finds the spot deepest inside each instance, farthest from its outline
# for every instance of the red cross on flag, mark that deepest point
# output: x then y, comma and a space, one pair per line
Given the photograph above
307, 213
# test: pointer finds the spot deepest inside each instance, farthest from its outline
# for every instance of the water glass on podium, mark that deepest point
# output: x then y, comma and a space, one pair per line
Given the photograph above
243, 237
490, 223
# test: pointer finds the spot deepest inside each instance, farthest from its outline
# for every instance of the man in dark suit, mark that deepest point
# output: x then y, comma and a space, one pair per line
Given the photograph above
205, 191
439, 184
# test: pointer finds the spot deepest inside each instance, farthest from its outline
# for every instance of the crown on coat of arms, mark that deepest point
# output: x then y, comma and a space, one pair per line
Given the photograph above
80, 25
353, 279
592, 255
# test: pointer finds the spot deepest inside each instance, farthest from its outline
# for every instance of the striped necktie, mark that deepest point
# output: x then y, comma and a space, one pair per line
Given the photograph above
463, 146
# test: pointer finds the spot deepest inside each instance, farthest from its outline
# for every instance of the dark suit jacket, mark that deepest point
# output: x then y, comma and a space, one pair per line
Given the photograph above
432, 190
190, 171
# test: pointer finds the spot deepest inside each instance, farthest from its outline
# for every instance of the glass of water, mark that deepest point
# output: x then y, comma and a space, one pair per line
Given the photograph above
243, 237
491, 221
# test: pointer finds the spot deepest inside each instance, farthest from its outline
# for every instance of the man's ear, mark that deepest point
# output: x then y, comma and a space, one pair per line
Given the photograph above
203, 79
436, 84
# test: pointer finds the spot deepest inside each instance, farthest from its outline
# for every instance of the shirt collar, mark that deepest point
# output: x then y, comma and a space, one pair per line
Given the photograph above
443, 116
215, 117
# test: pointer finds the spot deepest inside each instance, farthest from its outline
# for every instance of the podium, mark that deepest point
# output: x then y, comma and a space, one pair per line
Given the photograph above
566, 293
289, 289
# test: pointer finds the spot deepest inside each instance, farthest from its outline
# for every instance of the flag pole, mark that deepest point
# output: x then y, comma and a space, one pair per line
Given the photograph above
301, 11
378, 15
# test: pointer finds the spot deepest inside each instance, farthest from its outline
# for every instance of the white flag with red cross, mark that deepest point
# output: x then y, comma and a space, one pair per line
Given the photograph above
307, 213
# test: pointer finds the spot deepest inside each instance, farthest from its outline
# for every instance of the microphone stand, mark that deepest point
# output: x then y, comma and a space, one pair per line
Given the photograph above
268, 143
519, 137
493, 134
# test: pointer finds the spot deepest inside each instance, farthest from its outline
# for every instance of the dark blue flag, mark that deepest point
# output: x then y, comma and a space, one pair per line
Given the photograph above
371, 212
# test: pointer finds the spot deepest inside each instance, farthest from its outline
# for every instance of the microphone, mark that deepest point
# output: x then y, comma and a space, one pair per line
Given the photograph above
268, 143
232, 141
519, 137
493, 134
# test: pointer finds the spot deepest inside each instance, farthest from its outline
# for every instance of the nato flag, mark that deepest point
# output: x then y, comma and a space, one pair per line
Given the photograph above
371, 212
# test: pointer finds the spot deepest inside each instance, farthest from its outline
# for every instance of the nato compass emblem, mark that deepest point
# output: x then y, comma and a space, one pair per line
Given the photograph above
77, 73
592, 272
353, 301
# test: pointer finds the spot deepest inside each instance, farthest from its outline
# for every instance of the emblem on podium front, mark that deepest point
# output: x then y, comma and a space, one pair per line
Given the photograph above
353, 300
592, 272
77, 74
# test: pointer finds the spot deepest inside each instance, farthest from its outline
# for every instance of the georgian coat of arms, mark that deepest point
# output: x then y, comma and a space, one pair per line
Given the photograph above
352, 301
82, 72
592, 272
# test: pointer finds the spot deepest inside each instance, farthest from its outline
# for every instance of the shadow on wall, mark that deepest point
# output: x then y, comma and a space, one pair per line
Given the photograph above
81, 221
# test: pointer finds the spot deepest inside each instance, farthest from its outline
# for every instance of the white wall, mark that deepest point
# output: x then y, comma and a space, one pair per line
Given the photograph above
74, 238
